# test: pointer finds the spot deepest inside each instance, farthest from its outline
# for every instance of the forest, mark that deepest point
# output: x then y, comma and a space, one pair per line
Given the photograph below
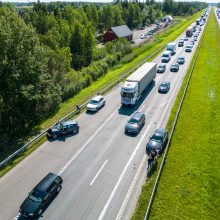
49, 53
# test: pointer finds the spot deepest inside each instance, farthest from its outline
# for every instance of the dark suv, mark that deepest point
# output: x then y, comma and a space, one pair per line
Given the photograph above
135, 123
63, 128
39, 197
158, 141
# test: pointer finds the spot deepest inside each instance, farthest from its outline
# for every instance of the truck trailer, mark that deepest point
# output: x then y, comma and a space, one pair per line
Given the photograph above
136, 83
172, 47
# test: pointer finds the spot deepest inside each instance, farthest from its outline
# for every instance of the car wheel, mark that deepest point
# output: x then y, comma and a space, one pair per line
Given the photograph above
54, 136
58, 189
75, 131
40, 212
103, 103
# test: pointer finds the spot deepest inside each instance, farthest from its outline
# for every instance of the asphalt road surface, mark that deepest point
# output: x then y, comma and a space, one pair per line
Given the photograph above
103, 169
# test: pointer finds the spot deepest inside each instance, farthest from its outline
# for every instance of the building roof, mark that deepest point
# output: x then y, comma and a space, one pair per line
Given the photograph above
122, 31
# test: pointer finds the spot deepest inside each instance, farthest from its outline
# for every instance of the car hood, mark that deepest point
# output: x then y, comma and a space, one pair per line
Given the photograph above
131, 126
153, 145
29, 206
91, 105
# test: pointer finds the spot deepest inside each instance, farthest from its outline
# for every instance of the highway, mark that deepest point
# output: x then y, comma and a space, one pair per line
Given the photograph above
103, 169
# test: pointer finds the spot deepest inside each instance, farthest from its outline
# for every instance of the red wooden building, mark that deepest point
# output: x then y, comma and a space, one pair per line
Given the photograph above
118, 32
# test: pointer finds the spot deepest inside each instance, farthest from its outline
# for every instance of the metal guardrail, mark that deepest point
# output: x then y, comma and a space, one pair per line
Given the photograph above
23, 148
171, 134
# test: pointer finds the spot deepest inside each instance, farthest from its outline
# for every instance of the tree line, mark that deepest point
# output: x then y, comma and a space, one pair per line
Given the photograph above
48, 53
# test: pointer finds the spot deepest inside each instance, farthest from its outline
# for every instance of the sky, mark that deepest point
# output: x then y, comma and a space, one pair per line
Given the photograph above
208, 1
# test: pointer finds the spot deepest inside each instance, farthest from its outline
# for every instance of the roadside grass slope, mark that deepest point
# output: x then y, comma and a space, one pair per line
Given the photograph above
189, 187
144, 51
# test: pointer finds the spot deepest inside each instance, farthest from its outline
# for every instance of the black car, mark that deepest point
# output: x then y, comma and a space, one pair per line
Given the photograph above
181, 60
181, 43
135, 123
164, 87
189, 48
158, 141
63, 128
161, 68
174, 67
40, 196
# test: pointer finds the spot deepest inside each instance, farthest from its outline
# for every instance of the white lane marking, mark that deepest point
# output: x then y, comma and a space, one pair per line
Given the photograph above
128, 195
141, 108
101, 216
98, 173
87, 142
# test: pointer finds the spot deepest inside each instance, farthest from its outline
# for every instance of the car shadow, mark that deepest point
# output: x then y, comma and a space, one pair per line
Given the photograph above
129, 110
45, 208
61, 138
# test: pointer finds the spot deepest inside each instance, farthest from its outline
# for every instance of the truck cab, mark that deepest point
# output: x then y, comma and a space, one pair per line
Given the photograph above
129, 93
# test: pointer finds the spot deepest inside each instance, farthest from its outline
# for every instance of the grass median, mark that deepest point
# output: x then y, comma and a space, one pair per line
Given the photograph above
189, 184
143, 52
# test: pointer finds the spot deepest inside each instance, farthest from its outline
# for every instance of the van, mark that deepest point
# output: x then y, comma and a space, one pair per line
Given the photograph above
166, 56
39, 197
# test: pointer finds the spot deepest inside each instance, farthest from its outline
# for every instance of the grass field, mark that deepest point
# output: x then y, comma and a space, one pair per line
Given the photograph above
170, 34
189, 187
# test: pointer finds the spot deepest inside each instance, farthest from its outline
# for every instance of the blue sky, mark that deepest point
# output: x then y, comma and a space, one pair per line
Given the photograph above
209, 1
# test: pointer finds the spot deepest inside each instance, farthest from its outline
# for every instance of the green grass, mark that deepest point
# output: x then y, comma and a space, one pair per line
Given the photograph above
143, 51
189, 185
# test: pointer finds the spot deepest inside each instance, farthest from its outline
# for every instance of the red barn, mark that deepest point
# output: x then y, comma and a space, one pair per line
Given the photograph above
118, 32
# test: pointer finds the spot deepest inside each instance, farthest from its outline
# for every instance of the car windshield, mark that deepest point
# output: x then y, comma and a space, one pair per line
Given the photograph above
165, 55
161, 66
58, 126
94, 102
127, 95
157, 138
133, 121
163, 84
36, 196
180, 58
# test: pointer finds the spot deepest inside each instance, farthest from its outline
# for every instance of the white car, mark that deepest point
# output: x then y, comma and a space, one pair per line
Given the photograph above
143, 36
96, 103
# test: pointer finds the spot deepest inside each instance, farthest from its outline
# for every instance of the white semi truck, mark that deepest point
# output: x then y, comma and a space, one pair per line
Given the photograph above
136, 83
172, 47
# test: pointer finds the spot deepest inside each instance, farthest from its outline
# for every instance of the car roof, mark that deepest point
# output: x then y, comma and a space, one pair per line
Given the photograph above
137, 115
97, 98
64, 123
43, 185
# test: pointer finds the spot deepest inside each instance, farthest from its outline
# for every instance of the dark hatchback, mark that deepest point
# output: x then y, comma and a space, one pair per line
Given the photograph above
161, 68
181, 60
135, 123
63, 128
181, 43
41, 195
164, 87
174, 67
158, 141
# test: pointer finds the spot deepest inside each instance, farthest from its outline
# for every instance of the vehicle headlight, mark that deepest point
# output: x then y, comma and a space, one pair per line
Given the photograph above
30, 214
